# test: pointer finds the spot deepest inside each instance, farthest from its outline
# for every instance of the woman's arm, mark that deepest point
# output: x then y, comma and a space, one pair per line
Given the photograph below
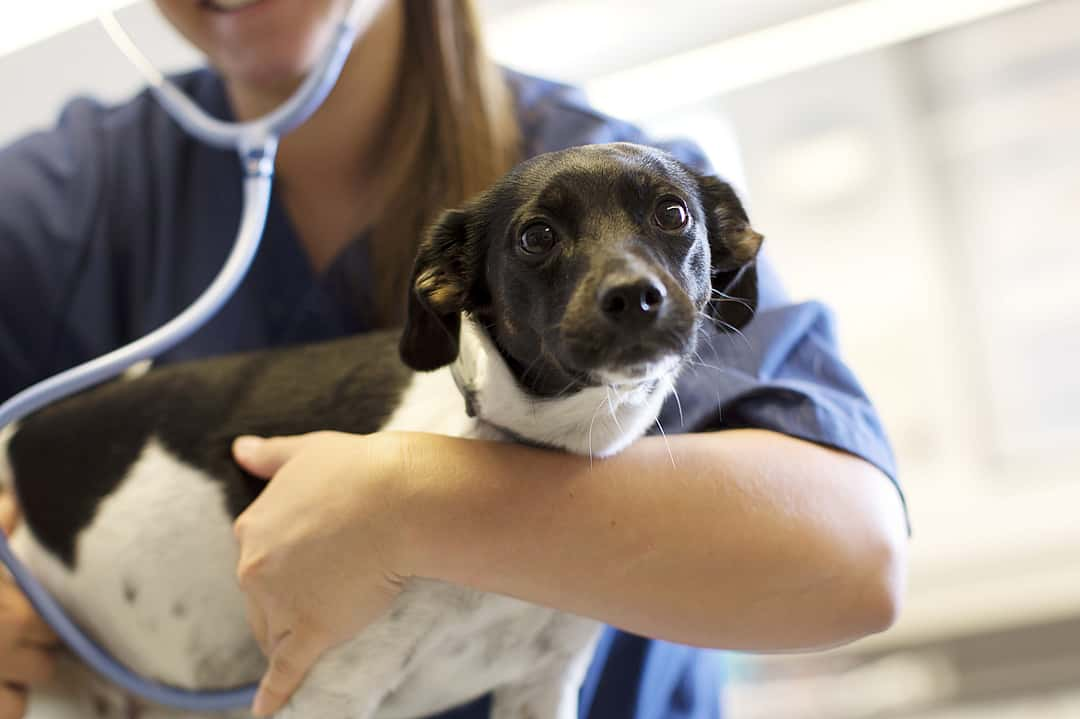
742, 539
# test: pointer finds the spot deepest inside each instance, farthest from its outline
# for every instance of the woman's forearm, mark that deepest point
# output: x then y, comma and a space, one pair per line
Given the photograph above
741, 539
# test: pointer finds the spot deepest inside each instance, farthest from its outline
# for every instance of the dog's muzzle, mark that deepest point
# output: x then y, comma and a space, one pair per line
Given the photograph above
627, 322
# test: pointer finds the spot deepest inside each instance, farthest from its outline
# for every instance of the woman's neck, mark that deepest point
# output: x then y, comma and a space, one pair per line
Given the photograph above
327, 167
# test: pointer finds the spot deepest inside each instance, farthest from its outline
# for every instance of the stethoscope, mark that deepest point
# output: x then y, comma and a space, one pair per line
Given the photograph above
256, 142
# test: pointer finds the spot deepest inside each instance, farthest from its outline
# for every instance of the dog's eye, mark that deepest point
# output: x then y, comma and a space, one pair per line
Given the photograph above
537, 239
671, 214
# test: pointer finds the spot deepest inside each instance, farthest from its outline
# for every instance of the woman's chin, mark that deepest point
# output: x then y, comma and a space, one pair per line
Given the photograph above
260, 86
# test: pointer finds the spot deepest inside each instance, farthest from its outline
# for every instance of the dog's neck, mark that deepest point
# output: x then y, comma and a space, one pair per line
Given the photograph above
596, 421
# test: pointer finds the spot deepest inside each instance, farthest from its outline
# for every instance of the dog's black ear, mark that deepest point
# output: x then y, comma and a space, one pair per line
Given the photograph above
442, 279
734, 245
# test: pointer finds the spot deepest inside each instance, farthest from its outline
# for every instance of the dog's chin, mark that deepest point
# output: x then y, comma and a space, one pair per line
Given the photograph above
626, 364
634, 375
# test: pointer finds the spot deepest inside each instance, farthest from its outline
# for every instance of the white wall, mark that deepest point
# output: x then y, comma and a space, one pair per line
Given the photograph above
36, 81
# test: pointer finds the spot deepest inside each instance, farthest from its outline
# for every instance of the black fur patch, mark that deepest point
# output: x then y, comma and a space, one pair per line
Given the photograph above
68, 457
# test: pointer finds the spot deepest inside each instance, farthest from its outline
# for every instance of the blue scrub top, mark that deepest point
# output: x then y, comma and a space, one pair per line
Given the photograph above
114, 221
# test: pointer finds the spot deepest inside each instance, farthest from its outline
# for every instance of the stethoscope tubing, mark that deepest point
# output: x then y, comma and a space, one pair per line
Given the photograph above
293, 112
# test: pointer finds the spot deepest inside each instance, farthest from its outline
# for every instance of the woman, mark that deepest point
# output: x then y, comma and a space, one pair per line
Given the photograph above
781, 532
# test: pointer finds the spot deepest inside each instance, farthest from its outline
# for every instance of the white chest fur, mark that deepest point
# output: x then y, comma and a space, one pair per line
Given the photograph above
594, 421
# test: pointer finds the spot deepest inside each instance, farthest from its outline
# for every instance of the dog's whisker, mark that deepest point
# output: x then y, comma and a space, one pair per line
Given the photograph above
566, 390
698, 360
592, 421
532, 366
535, 364
706, 365
666, 442
732, 329
536, 361
735, 331
723, 297
611, 390
710, 338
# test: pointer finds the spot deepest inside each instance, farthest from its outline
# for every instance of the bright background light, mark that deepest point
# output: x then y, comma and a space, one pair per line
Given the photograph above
26, 23
759, 56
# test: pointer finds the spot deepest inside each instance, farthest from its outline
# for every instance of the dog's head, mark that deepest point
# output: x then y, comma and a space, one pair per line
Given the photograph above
595, 265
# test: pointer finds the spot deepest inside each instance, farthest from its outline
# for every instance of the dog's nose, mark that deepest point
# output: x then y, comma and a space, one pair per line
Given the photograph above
632, 302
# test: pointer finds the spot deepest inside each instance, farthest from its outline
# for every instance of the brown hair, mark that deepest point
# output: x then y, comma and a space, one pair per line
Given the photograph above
453, 132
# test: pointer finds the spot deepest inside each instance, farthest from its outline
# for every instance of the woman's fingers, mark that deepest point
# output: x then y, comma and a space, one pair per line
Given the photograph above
293, 655
25, 639
26, 666
19, 623
313, 547
12, 702
25, 643
264, 457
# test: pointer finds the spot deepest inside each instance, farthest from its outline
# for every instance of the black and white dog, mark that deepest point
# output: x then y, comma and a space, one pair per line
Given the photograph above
556, 308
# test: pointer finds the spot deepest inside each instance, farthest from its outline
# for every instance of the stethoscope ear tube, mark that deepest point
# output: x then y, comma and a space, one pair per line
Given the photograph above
290, 115
256, 141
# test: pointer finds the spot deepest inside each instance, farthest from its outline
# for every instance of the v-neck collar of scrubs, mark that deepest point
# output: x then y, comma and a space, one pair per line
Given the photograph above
304, 305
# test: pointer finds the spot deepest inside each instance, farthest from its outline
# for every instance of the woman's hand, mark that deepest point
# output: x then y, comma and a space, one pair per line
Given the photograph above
320, 549
25, 640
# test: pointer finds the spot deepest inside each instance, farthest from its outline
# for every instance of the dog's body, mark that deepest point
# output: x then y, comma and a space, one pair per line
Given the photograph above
157, 561
129, 492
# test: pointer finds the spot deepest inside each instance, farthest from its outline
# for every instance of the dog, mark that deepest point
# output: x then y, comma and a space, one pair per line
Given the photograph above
556, 309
